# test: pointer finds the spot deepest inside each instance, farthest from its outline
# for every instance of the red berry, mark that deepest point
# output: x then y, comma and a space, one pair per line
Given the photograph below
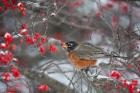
118, 87
23, 13
42, 50
52, 48
21, 9
23, 31
8, 37
4, 45
23, 26
36, 36
39, 44
15, 72
43, 39
115, 74
9, 55
138, 90
109, 5
20, 4
29, 40
6, 57
5, 76
76, 4
11, 90
14, 1
43, 88
1, 8
98, 14
124, 7
134, 82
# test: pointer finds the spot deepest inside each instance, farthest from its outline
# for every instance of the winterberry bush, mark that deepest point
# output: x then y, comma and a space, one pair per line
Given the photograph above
36, 28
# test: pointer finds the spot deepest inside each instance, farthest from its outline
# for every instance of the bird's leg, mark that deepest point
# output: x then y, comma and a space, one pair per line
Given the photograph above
98, 70
88, 74
96, 73
85, 70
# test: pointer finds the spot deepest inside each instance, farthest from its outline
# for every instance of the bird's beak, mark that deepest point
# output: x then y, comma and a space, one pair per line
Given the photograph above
64, 45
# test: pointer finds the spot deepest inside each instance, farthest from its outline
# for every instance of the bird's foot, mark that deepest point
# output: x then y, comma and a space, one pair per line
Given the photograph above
91, 75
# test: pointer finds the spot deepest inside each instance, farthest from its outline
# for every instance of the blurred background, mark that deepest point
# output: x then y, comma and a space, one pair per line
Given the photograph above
112, 25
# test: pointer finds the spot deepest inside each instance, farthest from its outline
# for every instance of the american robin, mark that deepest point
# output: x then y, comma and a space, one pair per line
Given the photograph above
83, 55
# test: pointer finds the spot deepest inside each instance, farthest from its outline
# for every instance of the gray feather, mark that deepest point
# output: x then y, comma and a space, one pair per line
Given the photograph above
88, 51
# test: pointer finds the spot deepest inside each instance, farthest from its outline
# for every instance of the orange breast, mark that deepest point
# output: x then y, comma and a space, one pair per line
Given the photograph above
80, 63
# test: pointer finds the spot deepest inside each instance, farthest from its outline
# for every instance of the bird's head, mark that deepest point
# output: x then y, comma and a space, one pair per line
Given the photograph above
70, 46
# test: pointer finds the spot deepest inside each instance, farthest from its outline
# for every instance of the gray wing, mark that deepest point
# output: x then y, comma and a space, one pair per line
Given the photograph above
89, 51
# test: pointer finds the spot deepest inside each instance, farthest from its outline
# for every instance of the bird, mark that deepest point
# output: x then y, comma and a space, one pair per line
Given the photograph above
82, 55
